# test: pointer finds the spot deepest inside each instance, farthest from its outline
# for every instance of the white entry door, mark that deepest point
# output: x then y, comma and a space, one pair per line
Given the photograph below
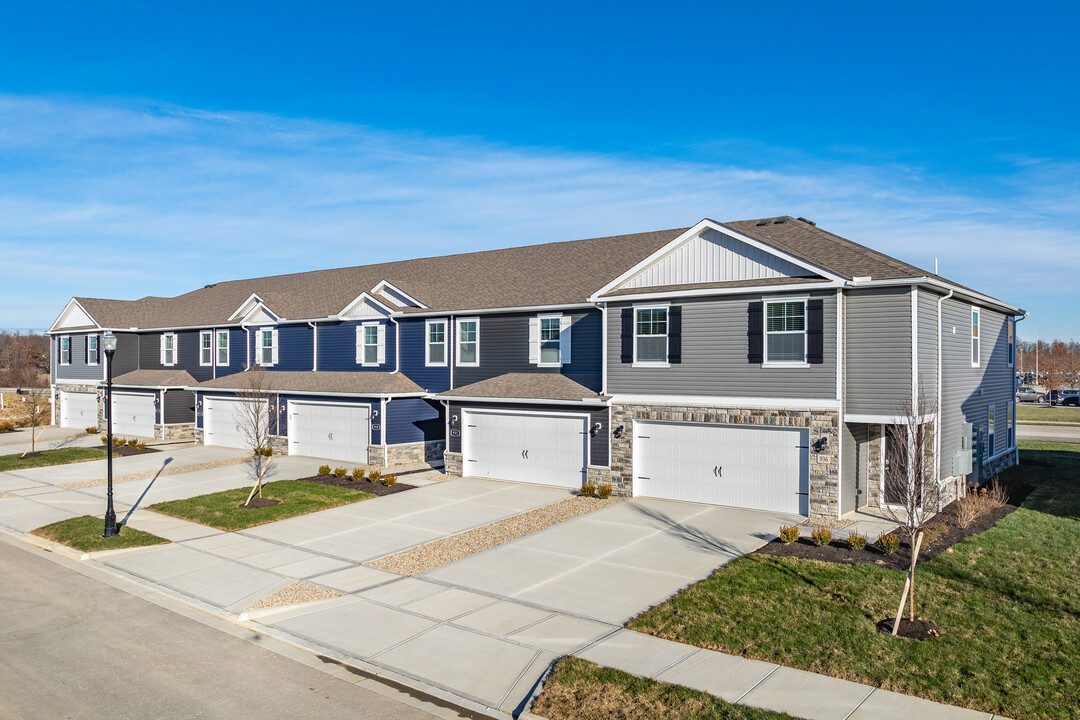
78, 410
332, 431
526, 447
222, 422
133, 414
747, 467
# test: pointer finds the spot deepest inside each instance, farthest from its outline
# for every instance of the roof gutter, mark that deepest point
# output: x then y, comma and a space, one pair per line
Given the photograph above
706, 292
282, 391
942, 285
531, 401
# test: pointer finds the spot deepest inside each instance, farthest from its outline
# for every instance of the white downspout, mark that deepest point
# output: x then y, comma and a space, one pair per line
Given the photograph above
314, 346
451, 349
213, 352
603, 350
382, 428
397, 345
937, 422
162, 413
247, 346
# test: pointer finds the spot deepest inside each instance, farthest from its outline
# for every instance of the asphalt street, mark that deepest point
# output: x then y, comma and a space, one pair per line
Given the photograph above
72, 646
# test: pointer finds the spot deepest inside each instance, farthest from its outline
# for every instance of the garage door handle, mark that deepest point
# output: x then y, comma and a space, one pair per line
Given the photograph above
524, 454
718, 471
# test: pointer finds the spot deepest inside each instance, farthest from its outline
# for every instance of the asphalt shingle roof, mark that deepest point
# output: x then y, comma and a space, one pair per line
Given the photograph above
155, 378
532, 386
354, 383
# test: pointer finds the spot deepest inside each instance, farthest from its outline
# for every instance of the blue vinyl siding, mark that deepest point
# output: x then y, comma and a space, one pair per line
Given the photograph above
337, 348
413, 420
237, 354
187, 345
432, 379
294, 348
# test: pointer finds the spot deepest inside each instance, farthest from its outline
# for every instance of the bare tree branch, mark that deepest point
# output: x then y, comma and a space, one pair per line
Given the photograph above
254, 419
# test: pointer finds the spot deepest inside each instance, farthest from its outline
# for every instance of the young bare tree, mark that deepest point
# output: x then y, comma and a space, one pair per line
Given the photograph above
34, 410
1056, 366
254, 418
912, 492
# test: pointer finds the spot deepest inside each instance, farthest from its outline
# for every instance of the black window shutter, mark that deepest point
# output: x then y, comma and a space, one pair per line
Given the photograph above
674, 334
627, 335
815, 326
755, 329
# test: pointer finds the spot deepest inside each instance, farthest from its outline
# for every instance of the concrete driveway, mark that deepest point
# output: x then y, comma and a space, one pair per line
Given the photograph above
613, 564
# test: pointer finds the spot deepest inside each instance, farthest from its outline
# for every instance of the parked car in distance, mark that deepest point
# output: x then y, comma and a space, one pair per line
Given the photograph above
1027, 393
1065, 398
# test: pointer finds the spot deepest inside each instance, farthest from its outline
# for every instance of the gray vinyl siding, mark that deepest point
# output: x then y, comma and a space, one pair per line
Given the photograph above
927, 351
179, 407
714, 356
126, 357
78, 369
187, 358
968, 392
504, 348
877, 350
598, 443
849, 458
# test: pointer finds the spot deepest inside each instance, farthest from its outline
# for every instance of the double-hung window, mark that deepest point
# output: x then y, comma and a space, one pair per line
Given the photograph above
651, 335
990, 431
168, 349
222, 348
974, 337
267, 346
785, 332
369, 345
550, 347
1012, 341
65, 350
435, 343
92, 353
468, 342
206, 349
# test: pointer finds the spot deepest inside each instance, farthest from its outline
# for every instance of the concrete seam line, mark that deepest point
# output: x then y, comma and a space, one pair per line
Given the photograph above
856, 708
520, 675
756, 685
693, 651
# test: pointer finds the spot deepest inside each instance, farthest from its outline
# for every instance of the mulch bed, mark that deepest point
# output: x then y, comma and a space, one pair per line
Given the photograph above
375, 488
838, 551
917, 629
126, 451
260, 503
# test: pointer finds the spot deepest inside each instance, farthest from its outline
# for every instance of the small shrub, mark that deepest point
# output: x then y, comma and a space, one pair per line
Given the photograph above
389, 480
92, 430
7, 426
339, 472
889, 543
140, 445
357, 474
118, 441
104, 439
604, 491
374, 474
324, 469
856, 541
978, 501
132, 442
933, 533
821, 536
589, 489
266, 451
789, 533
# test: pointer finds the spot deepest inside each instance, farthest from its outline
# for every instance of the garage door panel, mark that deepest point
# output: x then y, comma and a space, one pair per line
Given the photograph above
78, 410
760, 468
221, 422
134, 414
525, 447
334, 432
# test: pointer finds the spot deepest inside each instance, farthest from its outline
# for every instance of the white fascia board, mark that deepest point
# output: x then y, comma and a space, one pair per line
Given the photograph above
727, 401
958, 291
528, 401
361, 298
778, 290
873, 419
494, 311
53, 329
693, 232
386, 284
275, 391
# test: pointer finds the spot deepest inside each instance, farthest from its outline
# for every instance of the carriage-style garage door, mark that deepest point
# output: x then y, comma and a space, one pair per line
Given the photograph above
332, 431
133, 414
746, 467
545, 449
78, 410
222, 422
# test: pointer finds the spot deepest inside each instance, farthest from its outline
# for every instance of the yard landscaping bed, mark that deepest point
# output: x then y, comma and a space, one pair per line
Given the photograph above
1005, 600
375, 488
63, 456
223, 510
581, 690
84, 533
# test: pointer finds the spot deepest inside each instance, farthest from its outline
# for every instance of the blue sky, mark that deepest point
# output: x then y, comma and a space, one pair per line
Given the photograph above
149, 149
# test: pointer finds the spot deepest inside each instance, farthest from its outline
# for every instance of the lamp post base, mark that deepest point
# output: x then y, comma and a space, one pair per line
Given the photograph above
111, 528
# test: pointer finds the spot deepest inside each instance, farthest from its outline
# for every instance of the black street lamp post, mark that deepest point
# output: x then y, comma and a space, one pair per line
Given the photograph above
109, 341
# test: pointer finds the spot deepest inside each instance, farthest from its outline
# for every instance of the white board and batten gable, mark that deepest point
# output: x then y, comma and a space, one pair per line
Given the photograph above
388, 292
74, 315
365, 307
710, 253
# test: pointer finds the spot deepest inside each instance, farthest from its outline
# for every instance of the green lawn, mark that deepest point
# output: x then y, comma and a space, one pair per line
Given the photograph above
222, 509
1034, 414
84, 533
51, 457
581, 690
1007, 602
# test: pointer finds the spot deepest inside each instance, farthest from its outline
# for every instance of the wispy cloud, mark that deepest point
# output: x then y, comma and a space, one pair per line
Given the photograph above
130, 198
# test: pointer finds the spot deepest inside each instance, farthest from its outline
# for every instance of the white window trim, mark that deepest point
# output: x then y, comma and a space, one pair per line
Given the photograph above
362, 344
209, 348
217, 348
667, 340
427, 343
1010, 349
97, 360
1010, 427
61, 349
164, 336
259, 347
540, 347
457, 342
976, 340
765, 302
991, 436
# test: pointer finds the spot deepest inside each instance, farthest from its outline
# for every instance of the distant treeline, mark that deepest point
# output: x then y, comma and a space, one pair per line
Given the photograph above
24, 359
1057, 362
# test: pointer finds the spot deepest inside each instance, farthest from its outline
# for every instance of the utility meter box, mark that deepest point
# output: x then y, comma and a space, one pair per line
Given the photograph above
963, 459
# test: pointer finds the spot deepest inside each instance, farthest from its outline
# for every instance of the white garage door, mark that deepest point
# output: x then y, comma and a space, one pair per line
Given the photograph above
133, 414
222, 422
525, 447
78, 410
334, 432
747, 467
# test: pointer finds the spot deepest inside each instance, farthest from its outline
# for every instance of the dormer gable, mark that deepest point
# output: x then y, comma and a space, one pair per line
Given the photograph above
386, 291
254, 311
365, 307
74, 317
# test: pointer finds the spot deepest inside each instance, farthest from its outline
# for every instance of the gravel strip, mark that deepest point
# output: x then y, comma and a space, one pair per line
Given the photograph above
298, 592
151, 473
446, 550
831, 523
5, 495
